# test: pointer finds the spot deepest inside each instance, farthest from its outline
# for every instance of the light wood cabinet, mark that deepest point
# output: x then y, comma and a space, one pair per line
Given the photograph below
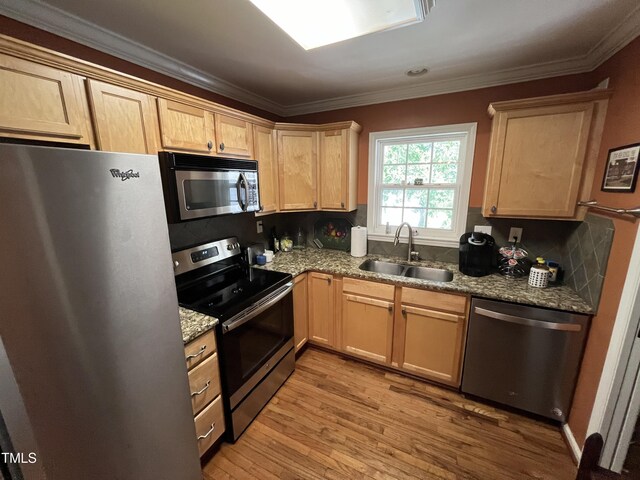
297, 169
321, 309
430, 340
264, 141
204, 384
234, 136
338, 168
187, 128
41, 103
543, 154
300, 311
366, 323
124, 120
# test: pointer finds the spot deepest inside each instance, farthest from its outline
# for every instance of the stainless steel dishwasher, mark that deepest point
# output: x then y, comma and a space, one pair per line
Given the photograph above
524, 357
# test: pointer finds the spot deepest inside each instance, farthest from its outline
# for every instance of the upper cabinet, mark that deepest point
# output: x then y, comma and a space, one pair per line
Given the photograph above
338, 168
41, 103
234, 136
298, 169
264, 141
543, 154
184, 127
124, 120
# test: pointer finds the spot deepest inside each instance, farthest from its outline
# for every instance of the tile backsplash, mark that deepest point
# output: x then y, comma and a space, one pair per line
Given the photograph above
581, 248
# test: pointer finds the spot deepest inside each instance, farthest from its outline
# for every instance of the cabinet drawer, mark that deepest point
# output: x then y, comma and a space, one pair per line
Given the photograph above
370, 289
200, 348
209, 425
437, 300
204, 383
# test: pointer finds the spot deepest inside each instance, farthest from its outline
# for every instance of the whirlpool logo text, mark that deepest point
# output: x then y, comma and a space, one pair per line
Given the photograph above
116, 173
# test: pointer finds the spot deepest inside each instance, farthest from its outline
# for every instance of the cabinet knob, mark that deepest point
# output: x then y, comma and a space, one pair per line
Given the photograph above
209, 144
315, 204
390, 308
221, 146
494, 209
342, 204
329, 280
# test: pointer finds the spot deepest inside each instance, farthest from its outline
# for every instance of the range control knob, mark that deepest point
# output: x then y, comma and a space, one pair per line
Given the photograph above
230, 246
557, 412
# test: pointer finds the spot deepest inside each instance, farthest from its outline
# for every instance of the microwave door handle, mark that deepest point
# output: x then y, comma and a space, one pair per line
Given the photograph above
243, 207
244, 318
245, 182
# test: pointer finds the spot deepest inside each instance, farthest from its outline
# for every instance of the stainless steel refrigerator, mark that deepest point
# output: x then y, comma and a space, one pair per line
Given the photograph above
93, 383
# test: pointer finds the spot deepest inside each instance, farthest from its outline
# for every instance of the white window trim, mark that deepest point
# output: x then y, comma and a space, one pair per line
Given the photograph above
440, 239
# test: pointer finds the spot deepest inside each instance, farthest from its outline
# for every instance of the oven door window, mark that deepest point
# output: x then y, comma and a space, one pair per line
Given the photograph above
248, 347
204, 194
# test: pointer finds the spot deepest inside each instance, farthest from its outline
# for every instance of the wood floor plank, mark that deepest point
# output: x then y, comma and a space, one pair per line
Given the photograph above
336, 418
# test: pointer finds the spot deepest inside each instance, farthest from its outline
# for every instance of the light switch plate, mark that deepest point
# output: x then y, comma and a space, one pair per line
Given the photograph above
515, 232
483, 228
259, 226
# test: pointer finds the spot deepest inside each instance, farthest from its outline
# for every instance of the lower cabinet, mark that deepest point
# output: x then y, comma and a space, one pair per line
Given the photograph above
204, 383
300, 311
366, 326
321, 309
432, 328
421, 332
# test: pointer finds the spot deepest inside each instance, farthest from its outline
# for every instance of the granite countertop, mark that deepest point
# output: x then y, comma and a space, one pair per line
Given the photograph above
194, 324
493, 286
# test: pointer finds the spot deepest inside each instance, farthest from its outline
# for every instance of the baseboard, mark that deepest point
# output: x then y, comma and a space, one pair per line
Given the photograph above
576, 451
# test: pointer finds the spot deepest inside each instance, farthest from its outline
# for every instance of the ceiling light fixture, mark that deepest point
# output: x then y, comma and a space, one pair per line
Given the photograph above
416, 71
315, 23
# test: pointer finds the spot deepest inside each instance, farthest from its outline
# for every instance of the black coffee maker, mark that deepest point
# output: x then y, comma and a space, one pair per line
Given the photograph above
477, 254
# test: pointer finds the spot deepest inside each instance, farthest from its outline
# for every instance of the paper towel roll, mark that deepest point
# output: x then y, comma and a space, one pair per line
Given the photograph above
358, 241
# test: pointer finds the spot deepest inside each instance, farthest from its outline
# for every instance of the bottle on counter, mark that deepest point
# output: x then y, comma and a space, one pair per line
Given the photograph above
274, 243
300, 239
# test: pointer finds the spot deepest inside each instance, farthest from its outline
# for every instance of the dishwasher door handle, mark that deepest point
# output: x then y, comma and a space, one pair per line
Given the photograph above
563, 327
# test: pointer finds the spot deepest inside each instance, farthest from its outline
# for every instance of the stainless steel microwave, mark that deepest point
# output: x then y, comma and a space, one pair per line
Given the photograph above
198, 186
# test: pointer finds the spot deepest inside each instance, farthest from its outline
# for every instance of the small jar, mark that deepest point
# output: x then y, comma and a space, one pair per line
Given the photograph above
539, 274
286, 243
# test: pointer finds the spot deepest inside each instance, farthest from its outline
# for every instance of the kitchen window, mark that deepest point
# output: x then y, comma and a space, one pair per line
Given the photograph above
421, 176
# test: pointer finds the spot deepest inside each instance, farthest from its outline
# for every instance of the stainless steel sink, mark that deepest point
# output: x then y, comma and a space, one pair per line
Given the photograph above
410, 271
378, 266
427, 273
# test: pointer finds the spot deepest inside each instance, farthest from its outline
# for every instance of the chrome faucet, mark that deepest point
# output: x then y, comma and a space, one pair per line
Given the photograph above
411, 255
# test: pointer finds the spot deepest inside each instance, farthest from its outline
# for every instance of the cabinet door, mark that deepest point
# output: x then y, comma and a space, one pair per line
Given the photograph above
297, 167
433, 343
265, 153
321, 309
300, 311
40, 102
536, 161
367, 327
184, 127
333, 166
235, 137
124, 120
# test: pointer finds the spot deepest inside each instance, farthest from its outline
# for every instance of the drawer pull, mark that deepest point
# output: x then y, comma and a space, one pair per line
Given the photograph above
204, 389
206, 435
196, 355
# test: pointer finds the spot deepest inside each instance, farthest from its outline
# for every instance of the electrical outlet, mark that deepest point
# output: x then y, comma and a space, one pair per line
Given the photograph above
515, 232
483, 228
259, 226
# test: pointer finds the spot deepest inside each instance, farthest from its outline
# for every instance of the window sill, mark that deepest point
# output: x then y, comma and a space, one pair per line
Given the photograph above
433, 242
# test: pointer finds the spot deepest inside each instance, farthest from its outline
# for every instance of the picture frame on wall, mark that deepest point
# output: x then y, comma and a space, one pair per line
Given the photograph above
621, 172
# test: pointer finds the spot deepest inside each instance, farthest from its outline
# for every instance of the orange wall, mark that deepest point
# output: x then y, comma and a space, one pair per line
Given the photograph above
21, 31
462, 107
622, 127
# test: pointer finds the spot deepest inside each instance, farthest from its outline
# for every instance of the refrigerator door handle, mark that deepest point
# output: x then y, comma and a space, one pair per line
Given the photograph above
562, 327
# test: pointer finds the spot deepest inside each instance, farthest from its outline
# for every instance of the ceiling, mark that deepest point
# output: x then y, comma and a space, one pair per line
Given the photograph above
230, 47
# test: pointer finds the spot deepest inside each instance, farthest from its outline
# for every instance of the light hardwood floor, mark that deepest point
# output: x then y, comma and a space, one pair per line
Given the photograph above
340, 419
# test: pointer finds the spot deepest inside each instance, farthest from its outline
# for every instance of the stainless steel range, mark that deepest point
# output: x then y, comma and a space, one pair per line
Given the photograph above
255, 332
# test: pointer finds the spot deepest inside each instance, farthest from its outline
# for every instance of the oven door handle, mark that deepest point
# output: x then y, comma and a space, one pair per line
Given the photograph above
243, 318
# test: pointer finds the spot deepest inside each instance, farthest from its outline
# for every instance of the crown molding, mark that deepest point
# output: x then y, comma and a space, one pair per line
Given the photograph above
52, 19
59, 22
